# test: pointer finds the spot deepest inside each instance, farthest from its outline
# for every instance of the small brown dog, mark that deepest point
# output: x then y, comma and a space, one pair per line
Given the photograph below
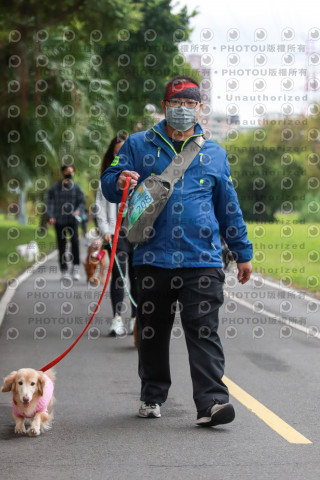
32, 399
92, 263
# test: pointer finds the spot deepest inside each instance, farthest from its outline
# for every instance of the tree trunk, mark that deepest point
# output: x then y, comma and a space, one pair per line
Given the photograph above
24, 74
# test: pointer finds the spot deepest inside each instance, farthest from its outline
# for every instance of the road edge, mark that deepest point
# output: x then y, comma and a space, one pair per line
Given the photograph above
9, 293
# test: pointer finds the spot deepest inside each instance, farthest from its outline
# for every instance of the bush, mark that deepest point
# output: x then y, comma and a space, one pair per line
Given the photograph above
310, 209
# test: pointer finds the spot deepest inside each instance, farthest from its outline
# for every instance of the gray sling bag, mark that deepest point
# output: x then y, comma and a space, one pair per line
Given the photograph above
149, 197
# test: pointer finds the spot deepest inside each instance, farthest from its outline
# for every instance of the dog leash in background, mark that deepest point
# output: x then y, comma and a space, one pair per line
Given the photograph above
113, 252
123, 278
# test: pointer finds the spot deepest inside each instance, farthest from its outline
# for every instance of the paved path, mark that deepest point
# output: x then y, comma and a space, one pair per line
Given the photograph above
96, 432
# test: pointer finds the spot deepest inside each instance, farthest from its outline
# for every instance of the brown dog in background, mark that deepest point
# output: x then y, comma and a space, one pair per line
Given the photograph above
92, 263
32, 399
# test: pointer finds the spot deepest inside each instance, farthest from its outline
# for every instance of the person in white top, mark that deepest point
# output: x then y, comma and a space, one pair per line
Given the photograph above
106, 218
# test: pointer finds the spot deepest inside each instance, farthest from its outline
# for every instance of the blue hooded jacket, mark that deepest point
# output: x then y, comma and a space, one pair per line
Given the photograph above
203, 202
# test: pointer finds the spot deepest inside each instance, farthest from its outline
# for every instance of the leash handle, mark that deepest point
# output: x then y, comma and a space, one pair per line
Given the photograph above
113, 251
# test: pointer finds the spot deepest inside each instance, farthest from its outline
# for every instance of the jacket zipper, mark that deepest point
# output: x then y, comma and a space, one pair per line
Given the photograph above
154, 165
182, 178
196, 135
165, 140
201, 167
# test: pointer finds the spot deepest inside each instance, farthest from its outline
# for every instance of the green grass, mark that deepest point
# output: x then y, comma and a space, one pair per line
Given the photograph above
281, 250
287, 250
10, 263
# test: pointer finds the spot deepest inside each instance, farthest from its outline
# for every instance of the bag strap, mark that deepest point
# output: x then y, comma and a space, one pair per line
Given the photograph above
176, 169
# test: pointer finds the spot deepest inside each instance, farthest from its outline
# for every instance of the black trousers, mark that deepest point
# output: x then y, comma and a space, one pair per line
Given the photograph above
62, 231
199, 292
124, 254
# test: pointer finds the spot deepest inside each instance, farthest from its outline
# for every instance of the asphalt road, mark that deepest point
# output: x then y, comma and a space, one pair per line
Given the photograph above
96, 432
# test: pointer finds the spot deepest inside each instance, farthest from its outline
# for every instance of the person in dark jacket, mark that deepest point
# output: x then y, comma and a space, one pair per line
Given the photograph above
65, 205
181, 262
107, 218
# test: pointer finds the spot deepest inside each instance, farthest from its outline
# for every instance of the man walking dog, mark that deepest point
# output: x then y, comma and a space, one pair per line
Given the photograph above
181, 261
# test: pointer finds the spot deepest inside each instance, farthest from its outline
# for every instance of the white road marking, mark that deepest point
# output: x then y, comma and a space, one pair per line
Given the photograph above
285, 289
310, 331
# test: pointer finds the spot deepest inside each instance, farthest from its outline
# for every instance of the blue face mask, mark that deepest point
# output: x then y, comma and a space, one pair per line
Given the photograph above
181, 118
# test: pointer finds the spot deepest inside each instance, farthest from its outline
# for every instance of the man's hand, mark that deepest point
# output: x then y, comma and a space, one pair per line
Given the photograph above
244, 271
127, 173
52, 221
107, 237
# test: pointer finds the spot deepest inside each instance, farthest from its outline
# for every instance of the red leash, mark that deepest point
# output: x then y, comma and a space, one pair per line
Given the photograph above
113, 252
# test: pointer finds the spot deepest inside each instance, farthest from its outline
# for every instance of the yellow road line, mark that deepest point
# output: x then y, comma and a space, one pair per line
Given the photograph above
266, 415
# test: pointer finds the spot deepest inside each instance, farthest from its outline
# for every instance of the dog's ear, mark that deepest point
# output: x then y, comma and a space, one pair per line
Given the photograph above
8, 382
41, 383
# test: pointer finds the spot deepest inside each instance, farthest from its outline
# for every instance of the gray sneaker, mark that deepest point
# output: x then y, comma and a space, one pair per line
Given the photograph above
117, 329
75, 273
217, 414
149, 410
64, 274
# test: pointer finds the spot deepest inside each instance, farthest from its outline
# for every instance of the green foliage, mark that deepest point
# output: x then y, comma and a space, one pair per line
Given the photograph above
55, 105
140, 62
310, 208
64, 104
272, 173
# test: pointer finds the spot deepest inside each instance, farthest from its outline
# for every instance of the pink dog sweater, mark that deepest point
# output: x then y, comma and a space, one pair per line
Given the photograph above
43, 402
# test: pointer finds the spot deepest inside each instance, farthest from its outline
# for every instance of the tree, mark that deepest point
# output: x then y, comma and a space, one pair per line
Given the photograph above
139, 63
55, 105
267, 166
58, 102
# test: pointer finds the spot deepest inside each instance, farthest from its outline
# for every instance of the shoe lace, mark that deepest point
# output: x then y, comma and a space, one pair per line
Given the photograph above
152, 405
117, 320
